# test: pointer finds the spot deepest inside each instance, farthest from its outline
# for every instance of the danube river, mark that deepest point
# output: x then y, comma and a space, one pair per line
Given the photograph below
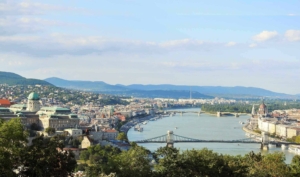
206, 127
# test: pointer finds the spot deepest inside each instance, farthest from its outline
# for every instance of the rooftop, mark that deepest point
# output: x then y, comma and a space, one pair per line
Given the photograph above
55, 109
33, 96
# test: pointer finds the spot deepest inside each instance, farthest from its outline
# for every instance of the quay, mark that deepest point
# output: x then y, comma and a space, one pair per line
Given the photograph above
139, 121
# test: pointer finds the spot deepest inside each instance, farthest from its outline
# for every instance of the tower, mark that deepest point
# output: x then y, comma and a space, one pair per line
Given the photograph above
263, 110
33, 103
111, 111
170, 139
253, 110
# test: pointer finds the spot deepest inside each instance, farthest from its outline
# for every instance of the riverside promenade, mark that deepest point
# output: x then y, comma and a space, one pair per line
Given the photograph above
125, 128
247, 130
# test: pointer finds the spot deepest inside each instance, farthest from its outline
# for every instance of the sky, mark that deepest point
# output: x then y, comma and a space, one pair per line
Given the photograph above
252, 43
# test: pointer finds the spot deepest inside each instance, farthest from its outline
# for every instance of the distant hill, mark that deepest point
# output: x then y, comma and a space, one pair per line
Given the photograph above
85, 85
167, 90
103, 87
176, 94
212, 90
15, 79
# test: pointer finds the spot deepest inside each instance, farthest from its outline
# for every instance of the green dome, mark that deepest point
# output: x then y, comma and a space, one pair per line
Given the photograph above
33, 96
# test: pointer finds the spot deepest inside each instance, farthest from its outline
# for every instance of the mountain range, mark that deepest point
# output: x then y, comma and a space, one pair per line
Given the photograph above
139, 90
99, 86
179, 90
15, 79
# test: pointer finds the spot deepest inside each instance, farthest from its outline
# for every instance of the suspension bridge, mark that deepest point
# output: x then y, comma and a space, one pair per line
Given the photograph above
170, 138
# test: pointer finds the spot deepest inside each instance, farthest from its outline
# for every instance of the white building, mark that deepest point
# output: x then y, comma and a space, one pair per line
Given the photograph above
74, 132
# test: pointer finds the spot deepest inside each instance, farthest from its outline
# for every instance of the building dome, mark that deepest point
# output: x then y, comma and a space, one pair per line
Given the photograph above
262, 109
262, 106
33, 96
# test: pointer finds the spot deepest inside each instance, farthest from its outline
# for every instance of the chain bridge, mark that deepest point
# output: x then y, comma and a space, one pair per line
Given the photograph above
170, 138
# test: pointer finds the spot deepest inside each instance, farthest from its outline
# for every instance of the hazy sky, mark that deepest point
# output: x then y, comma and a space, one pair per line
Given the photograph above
185, 42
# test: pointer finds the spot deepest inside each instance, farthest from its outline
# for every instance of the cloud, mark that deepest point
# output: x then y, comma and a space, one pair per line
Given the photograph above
11, 25
292, 35
181, 43
11, 7
252, 45
58, 44
230, 44
265, 35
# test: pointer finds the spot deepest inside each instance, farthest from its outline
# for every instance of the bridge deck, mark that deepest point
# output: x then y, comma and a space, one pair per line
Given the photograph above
218, 141
181, 139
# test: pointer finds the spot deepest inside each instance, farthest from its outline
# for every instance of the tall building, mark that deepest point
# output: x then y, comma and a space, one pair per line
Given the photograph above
253, 111
263, 110
33, 103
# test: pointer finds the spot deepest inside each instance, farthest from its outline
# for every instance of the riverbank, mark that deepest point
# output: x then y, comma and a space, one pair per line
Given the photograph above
247, 130
132, 123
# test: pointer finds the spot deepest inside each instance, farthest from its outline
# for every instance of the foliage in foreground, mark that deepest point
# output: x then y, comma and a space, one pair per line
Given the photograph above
170, 162
42, 158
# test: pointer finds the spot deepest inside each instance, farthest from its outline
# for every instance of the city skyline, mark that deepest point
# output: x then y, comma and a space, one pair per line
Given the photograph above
220, 43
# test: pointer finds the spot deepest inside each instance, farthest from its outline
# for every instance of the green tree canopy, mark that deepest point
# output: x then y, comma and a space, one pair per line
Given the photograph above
12, 142
122, 136
43, 158
50, 130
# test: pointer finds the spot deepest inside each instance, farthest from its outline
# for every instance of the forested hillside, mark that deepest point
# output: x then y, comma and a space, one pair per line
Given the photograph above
15, 79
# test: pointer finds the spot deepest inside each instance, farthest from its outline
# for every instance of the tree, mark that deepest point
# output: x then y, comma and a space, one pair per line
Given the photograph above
268, 165
12, 141
122, 136
34, 126
295, 166
50, 130
84, 155
191, 163
134, 162
297, 139
46, 157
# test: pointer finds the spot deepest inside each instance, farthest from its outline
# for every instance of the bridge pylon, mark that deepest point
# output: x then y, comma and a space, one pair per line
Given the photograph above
264, 141
170, 139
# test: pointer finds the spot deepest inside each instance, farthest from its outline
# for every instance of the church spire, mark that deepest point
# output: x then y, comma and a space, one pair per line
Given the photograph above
253, 110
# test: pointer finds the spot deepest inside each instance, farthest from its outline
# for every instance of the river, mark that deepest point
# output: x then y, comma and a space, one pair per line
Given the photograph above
206, 127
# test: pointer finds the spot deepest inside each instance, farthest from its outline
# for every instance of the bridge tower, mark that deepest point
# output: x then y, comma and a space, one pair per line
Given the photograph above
170, 139
265, 141
219, 114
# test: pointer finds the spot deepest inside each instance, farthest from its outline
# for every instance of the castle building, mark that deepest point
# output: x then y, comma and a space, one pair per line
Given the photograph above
55, 117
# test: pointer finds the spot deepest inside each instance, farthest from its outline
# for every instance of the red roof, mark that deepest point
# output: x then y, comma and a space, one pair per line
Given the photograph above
4, 102
110, 131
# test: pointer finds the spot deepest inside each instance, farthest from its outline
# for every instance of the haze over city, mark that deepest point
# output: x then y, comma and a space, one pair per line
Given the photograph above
226, 43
